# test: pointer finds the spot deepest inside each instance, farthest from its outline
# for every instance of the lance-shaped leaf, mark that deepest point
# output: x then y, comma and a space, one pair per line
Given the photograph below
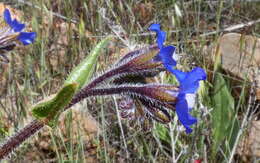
225, 125
82, 73
48, 111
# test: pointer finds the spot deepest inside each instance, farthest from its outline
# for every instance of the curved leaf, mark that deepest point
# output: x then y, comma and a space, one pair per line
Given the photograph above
82, 73
50, 109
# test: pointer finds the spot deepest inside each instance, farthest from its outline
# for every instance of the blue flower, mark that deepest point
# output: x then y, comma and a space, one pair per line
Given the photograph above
166, 52
27, 37
14, 24
16, 27
189, 83
161, 35
166, 56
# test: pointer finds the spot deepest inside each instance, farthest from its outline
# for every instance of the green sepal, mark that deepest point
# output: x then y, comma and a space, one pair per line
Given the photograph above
82, 73
48, 111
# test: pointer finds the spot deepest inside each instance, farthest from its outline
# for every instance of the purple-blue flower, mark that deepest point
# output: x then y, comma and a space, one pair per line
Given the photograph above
166, 52
189, 84
16, 27
188, 81
166, 56
161, 35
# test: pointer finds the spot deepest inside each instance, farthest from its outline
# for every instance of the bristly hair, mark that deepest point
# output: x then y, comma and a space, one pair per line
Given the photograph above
136, 53
155, 94
126, 66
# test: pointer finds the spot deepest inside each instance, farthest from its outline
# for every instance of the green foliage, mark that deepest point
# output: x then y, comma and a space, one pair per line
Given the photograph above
84, 70
51, 109
224, 120
162, 132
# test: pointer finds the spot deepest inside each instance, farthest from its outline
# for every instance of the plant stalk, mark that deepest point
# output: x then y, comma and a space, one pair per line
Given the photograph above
34, 126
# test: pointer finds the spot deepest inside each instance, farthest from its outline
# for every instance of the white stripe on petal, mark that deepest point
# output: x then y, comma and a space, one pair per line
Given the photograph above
175, 56
190, 98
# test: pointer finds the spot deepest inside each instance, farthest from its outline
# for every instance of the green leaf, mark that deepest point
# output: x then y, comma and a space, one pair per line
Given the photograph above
82, 73
162, 132
49, 110
224, 121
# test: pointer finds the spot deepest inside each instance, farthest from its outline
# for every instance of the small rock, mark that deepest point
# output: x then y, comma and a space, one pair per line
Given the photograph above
240, 55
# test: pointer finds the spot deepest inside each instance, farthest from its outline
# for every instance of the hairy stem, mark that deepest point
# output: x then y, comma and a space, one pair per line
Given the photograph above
14, 141
29, 130
131, 90
121, 69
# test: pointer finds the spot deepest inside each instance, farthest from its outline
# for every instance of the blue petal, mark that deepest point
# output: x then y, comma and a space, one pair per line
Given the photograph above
181, 76
182, 111
161, 35
17, 27
191, 82
14, 24
7, 17
155, 27
27, 37
188, 130
166, 56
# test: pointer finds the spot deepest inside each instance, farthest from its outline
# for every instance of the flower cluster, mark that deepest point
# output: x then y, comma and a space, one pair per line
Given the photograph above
144, 100
12, 32
188, 81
